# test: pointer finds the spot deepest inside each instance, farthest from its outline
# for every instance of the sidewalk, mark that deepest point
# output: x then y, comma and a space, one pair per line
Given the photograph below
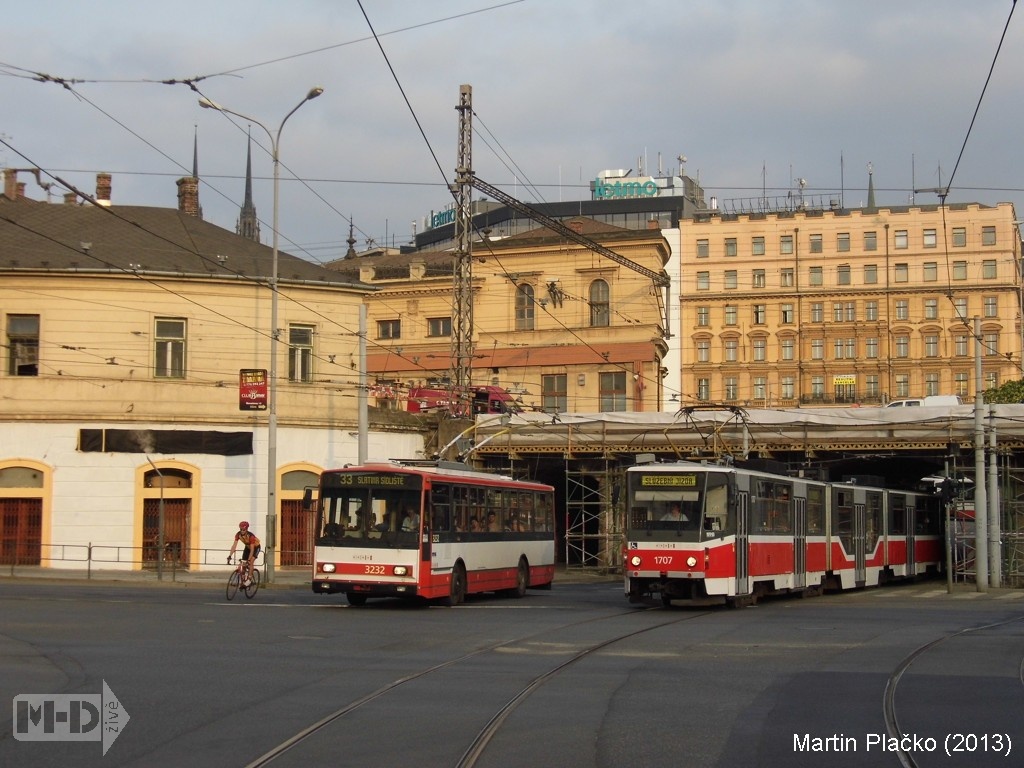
284, 577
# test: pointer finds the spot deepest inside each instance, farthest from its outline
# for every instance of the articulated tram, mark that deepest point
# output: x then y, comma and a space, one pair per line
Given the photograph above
705, 533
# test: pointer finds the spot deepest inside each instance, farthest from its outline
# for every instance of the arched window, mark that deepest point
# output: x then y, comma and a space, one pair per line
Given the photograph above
599, 310
524, 307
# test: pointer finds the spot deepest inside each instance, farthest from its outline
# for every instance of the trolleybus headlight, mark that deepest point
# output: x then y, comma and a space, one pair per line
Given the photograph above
635, 561
401, 570
327, 567
691, 561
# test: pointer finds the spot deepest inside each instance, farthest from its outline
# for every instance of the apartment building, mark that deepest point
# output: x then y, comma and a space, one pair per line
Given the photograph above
848, 307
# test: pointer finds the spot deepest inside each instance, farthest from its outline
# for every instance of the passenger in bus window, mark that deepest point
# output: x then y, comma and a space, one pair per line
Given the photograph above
385, 522
356, 521
474, 524
492, 522
411, 521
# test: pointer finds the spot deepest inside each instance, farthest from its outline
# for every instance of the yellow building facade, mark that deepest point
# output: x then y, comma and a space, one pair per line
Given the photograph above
560, 327
849, 307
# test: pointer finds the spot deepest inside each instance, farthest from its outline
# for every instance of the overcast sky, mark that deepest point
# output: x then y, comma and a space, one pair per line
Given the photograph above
754, 94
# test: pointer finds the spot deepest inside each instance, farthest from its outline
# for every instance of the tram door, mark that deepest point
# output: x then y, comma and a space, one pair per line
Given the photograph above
742, 543
859, 542
908, 518
799, 542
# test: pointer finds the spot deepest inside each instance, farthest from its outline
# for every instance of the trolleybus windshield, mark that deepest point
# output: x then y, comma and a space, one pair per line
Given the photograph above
370, 509
689, 504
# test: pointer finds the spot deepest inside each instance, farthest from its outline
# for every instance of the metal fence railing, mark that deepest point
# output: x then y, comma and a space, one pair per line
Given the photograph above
85, 559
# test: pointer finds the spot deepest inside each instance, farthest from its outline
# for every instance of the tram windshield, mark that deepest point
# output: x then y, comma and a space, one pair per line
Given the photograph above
360, 510
694, 505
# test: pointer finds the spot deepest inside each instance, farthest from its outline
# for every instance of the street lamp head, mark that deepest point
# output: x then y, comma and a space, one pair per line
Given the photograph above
314, 92
205, 103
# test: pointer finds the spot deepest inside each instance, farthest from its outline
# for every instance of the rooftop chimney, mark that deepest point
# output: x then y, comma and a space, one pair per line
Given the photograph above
70, 198
103, 187
188, 195
10, 183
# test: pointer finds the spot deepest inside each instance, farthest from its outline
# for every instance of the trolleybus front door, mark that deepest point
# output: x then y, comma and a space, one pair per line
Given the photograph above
742, 543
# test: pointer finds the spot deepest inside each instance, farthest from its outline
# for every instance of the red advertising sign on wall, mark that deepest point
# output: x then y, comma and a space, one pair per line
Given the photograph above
252, 389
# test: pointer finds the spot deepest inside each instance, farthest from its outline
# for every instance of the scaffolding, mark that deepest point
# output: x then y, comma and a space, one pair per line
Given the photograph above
594, 514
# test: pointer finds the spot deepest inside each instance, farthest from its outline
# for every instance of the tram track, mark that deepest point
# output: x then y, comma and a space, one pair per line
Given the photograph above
478, 744
895, 732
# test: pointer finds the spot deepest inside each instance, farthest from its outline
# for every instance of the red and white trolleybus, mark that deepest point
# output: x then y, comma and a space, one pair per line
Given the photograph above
430, 530
710, 533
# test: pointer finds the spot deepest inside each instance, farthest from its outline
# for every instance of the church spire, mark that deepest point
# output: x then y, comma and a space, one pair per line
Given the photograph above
248, 223
351, 253
195, 168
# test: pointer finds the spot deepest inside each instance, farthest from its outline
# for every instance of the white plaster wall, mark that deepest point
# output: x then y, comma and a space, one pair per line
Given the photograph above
94, 494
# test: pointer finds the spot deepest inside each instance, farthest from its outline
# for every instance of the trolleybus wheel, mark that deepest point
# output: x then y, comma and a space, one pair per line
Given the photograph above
457, 587
522, 580
666, 601
354, 598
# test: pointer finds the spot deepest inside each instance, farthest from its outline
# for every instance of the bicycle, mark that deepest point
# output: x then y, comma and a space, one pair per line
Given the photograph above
237, 580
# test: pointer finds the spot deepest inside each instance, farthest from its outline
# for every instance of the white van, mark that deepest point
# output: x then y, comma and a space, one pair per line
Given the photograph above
932, 400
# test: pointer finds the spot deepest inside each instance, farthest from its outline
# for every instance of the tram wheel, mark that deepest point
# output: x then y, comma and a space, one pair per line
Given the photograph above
354, 598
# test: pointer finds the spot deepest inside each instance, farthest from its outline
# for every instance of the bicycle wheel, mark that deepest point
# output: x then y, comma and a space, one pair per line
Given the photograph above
232, 585
254, 584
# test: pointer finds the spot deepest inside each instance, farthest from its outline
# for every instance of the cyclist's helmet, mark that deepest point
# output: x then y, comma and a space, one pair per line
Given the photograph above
244, 524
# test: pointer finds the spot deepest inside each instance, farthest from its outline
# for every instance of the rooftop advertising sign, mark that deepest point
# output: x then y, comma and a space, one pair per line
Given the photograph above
619, 189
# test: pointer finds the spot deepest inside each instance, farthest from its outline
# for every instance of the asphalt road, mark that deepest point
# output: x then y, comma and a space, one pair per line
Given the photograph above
572, 676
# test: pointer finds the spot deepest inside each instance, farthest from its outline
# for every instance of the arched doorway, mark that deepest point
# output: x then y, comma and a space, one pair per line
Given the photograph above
24, 498
167, 498
296, 522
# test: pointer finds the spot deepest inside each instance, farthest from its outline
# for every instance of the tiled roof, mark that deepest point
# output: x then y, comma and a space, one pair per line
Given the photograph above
87, 238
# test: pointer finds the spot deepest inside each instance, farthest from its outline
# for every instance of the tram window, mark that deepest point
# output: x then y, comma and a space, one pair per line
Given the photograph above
780, 509
926, 516
842, 513
815, 509
717, 514
898, 514
874, 520
761, 506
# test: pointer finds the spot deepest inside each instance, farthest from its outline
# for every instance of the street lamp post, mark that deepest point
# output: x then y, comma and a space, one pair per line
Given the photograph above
275, 142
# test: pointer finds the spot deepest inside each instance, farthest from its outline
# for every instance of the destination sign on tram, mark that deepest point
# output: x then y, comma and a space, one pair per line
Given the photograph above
672, 481
371, 480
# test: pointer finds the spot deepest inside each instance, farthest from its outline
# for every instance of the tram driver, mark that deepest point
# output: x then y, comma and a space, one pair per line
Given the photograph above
674, 514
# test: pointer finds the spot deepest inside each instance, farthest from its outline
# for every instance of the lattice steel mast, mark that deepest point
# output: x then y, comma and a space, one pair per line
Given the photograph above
462, 282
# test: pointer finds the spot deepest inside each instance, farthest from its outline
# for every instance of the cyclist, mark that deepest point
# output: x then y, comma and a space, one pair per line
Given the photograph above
250, 551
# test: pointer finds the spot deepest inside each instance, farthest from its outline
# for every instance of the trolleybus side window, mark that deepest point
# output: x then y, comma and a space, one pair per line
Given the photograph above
440, 507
